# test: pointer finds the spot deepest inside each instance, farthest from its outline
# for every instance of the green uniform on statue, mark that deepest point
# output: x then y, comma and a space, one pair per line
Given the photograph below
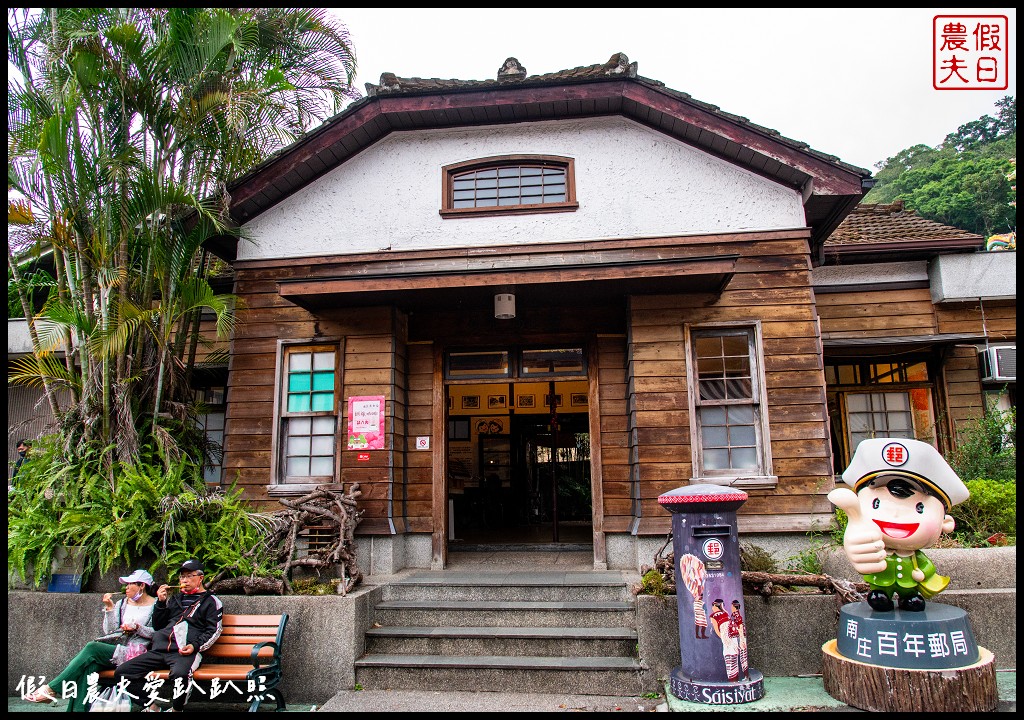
898, 576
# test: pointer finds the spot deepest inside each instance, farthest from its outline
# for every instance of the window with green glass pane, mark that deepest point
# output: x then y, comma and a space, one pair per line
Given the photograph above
310, 382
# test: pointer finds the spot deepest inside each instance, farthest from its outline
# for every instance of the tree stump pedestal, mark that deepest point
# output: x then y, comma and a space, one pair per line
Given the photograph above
909, 661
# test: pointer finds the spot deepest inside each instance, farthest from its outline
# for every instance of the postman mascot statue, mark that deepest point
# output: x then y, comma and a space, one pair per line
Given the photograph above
895, 652
902, 492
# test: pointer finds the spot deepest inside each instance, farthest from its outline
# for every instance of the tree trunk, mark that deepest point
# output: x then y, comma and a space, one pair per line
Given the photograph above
26, 307
884, 689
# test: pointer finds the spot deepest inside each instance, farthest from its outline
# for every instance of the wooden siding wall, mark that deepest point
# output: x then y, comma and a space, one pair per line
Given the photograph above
998, 319
771, 284
371, 362
894, 313
962, 387
369, 368
615, 436
420, 408
881, 314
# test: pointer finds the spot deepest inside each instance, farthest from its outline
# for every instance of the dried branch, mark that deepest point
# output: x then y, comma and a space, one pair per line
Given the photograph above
340, 512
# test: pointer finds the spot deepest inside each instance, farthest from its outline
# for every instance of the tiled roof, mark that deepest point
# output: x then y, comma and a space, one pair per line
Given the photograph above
511, 71
618, 66
876, 224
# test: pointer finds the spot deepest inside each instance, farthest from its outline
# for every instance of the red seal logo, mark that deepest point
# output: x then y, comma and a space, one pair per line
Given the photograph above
713, 549
895, 454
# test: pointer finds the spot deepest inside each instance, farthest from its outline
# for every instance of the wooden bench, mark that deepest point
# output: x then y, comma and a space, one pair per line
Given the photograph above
256, 638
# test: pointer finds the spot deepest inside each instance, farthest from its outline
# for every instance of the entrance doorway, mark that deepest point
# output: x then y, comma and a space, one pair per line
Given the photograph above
518, 468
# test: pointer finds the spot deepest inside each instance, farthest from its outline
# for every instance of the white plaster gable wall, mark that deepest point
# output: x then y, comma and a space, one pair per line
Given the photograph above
630, 182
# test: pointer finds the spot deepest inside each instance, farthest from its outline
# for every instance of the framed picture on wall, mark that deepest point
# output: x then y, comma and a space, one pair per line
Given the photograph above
451, 402
525, 401
495, 402
470, 402
578, 399
558, 400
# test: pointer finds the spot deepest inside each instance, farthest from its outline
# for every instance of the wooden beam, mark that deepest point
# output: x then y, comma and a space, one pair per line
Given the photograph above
596, 475
520, 276
439, 469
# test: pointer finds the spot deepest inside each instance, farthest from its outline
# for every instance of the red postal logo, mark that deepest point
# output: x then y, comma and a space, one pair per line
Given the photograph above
895, 454
970, 52
713, 549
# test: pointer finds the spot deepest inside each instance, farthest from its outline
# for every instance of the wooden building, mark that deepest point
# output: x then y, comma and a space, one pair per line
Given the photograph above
918, 328
520, 309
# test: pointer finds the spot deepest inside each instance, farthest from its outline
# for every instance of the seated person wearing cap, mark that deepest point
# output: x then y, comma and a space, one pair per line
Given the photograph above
903, 490
199, 614
130, 619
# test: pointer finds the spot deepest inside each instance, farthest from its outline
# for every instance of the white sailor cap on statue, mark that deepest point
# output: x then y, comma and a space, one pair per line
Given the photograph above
906, 458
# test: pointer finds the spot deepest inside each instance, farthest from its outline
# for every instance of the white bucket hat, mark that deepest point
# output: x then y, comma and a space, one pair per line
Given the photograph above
138, 576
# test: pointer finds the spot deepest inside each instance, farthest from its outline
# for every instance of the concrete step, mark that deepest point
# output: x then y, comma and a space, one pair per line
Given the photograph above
536, 631
476, 613
590, 675
505, 641
496, 589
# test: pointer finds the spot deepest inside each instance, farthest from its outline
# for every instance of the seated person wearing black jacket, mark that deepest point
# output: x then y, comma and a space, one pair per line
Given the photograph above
201, 613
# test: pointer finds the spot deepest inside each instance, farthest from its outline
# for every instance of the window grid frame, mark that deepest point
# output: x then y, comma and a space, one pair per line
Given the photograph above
284, 417
451, 173
762, 474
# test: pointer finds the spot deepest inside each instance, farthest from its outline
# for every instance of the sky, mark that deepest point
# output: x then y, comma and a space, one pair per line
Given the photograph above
851, 82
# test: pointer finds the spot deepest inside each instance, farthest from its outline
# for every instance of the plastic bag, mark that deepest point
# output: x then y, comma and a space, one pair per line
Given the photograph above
125, 652
111, 699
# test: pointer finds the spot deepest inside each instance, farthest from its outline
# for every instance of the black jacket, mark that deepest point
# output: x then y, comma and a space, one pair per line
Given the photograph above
204, 619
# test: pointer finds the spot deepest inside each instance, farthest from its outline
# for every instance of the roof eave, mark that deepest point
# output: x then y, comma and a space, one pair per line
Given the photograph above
831, 189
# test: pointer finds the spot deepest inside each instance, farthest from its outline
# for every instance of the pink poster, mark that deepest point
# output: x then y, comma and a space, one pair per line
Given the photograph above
366, 423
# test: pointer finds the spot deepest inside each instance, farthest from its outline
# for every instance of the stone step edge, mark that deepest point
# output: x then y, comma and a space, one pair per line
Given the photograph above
510, 605
505, 582
499, 662
537, 633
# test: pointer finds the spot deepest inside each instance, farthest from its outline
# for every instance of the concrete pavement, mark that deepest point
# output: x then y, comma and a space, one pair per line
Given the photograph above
785, 694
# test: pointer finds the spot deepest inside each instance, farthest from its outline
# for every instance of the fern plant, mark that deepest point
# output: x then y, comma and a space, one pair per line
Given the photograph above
156, 507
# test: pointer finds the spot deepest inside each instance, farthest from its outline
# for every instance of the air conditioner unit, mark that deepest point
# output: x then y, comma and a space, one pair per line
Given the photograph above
998, 364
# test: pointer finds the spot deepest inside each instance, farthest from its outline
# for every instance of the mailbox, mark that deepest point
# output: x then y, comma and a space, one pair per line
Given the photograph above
709, 592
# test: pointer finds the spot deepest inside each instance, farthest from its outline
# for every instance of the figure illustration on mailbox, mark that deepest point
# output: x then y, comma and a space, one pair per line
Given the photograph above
738, 630
902, 492
721, 622
693, 576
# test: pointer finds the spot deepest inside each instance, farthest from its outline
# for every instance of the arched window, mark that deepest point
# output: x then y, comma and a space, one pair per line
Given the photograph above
509, 184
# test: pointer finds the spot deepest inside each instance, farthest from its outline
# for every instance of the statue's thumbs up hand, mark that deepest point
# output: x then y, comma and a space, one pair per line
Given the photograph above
863, 539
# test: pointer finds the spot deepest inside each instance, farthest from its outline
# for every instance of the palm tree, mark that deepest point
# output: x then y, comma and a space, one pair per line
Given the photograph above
122, 136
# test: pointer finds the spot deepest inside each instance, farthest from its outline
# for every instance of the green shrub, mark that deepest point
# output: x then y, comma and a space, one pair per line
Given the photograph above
312, 586
987, 447
754, 558
126, 512
653, 583
991, 508
840, 527
808, 560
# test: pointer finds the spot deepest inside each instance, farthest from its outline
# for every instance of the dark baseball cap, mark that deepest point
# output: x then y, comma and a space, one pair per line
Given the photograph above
192, 565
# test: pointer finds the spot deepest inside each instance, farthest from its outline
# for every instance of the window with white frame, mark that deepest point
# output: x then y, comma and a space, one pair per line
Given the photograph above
726, 400
309, 416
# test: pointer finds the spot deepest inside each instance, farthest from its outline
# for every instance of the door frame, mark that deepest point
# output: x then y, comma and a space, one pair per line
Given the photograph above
439, 461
